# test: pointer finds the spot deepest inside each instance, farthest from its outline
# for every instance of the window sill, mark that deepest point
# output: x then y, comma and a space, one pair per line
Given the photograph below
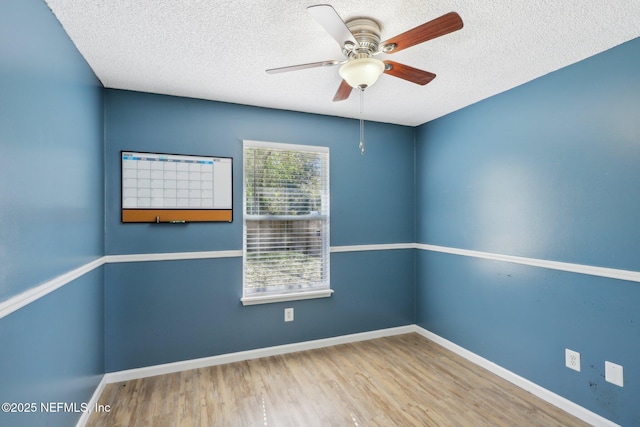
325, 293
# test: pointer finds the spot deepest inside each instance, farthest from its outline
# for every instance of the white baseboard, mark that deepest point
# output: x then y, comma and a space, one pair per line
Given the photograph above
92, 403
168, 368
538, 391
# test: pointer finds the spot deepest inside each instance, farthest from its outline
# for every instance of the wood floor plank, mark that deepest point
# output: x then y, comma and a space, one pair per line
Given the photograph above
401, 380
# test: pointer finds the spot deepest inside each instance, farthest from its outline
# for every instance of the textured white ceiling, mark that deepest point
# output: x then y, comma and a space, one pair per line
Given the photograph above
220, 49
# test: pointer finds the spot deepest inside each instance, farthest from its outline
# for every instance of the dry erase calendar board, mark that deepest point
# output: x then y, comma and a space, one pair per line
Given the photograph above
176, 188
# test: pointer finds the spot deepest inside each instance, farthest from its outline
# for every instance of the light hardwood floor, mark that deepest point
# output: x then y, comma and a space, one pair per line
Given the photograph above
404, 380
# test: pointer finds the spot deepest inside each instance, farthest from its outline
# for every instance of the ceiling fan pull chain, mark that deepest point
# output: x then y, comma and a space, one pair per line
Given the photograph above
362, 120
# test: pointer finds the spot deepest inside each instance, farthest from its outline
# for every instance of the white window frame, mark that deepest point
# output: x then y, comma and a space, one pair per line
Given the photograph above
287, 295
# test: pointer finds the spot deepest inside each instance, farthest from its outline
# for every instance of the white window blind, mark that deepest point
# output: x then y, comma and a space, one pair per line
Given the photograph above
285, 222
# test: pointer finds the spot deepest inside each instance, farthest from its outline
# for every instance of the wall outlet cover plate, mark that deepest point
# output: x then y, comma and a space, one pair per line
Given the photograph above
288, 314
613, 373
572, 359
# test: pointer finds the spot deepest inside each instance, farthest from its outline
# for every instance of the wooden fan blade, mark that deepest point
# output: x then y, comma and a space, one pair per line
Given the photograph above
327, 16
408, 73
429, 30
302, 66
343, 92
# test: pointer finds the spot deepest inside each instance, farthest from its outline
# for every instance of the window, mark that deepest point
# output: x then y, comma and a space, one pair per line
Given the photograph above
285, 222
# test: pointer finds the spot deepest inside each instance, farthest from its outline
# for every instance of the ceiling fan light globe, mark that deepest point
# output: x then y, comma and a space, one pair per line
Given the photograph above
361, 72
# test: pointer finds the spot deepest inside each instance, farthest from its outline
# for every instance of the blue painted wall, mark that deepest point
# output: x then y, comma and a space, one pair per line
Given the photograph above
548, 170
51, 211
53, 351
161, 312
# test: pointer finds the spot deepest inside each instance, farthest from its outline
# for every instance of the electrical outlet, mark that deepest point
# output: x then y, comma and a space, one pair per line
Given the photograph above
572, 359
613, 373
288, 314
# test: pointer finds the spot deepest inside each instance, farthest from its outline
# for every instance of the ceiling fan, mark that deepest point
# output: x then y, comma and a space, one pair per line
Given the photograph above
359, 40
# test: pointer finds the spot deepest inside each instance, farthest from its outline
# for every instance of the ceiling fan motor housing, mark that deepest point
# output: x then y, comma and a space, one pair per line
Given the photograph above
367, 32
362, 69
